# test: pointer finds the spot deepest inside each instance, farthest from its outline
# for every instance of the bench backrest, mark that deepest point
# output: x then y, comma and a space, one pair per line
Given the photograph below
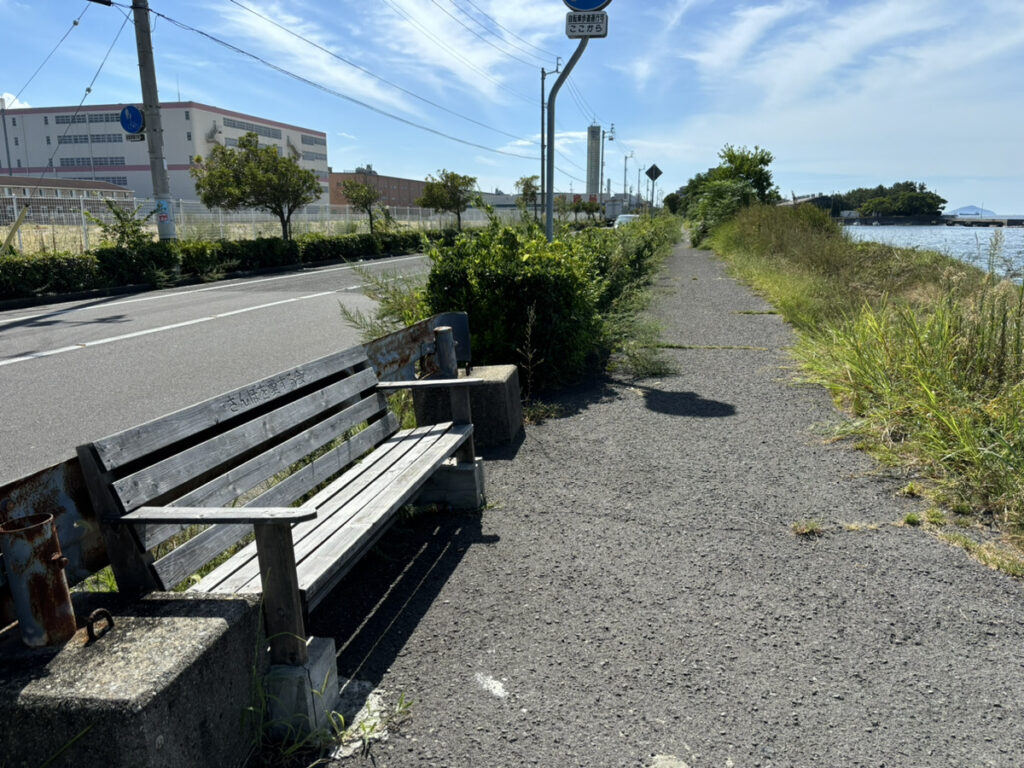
268, 444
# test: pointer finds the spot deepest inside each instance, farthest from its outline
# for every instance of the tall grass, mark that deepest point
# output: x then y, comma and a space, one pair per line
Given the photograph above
925, 352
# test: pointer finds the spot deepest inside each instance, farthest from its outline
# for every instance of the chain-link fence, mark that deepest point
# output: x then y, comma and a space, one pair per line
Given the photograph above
69, 224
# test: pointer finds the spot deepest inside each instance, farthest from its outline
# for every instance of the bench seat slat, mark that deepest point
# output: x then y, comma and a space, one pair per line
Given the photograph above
247, 476
351, 519
232, 575
163, 477
124, 447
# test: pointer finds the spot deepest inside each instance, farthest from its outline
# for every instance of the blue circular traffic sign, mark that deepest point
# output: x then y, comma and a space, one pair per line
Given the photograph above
132, 119
583, 6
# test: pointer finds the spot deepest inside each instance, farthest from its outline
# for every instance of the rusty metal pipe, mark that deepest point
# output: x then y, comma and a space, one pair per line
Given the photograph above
39, 588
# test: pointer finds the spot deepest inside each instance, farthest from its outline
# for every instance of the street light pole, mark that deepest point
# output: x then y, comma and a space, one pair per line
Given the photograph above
625, 170
543, 128
550, 191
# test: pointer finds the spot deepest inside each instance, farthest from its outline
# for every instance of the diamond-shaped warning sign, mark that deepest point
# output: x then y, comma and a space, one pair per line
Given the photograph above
653, 173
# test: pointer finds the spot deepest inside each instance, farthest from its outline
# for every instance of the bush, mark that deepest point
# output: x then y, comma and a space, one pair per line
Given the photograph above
202, 258
545, 307
146, 264
24, 275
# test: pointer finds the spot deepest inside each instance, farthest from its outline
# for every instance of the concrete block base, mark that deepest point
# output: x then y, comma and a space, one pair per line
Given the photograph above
300, 699
496, 406
459, 486
170, 685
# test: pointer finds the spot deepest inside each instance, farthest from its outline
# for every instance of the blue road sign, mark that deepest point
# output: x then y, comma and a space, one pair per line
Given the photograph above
132, 119
584, 6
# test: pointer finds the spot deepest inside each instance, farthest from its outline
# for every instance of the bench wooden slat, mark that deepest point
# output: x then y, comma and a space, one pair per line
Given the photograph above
163, 477
185, 560
211, 515
131, 444
349, 494
193, 554
324, 569
243, 478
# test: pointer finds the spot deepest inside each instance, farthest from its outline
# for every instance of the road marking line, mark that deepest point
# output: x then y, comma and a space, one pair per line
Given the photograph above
161, 329
218, 287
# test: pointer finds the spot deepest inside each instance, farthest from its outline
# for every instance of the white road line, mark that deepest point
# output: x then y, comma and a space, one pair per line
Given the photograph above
161, 329
217, 287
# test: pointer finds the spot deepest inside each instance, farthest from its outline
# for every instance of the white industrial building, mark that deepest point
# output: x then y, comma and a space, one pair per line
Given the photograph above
88, 143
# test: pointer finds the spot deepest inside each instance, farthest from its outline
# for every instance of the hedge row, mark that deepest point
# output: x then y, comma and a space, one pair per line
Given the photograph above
548, 307
26, 275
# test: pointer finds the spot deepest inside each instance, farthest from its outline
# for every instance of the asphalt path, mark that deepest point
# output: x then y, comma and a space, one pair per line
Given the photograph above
634, 594
76, 371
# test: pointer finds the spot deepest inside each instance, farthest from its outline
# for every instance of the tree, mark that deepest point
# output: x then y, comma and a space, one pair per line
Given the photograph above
674, 202
750, 165
252, 176
450, 192
527, 188
362, 196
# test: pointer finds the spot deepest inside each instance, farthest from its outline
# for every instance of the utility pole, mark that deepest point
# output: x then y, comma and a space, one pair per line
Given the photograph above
610, 135
625, 170
543, 128
7, 147
154, 125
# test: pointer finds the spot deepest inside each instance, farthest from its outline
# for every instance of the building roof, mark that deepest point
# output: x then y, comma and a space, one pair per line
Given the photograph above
35, 182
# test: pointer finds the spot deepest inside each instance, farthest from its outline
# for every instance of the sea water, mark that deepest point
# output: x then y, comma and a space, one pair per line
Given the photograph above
970, 244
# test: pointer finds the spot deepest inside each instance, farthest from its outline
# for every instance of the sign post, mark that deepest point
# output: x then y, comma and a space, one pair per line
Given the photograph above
585, 20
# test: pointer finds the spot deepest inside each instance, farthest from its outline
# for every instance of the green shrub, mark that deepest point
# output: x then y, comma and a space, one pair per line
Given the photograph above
23, 275
149, 263
545, 307
201, 258
265, 252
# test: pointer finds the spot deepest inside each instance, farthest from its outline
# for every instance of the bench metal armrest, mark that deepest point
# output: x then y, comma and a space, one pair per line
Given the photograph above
429, 384
202, 515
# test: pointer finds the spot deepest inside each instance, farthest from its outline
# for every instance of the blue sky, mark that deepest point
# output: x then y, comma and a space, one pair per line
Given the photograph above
844, 94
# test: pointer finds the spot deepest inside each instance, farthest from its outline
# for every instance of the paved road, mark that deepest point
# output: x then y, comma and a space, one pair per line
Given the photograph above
635, 595
76, 371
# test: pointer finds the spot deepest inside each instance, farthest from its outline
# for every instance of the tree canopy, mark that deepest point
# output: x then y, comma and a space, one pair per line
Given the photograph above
450, 192
904, 198
251, 176
362, 196
527, 188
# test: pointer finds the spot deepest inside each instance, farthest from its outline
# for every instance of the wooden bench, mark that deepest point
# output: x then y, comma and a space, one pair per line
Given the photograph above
310, 460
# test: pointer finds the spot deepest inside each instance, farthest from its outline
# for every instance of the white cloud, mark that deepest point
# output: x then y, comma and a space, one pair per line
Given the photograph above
12, 103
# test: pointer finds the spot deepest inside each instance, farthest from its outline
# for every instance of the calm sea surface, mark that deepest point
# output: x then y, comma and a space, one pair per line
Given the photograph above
970, 244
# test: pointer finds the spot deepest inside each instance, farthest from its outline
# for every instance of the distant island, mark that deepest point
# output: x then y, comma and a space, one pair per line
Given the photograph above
973, 210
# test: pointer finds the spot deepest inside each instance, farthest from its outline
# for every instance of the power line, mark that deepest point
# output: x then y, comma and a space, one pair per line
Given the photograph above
490, 31
333, 92
88, 90
498, 24
58, 45
441, 44
465, 26
378, 77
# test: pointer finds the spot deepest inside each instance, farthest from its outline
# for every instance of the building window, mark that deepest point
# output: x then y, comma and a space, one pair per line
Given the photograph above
188, 135
70, 119
47, 141
260, 130
187, 117
15, 141
314, 140
14, 122
46, 119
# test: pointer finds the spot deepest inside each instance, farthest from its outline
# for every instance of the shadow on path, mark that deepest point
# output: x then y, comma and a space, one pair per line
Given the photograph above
685, 404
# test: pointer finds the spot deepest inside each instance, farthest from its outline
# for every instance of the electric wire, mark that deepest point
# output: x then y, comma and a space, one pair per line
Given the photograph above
378, 77
480, 37
88, 90
333, 92
74, 24
488, 30
451, 51
498, 24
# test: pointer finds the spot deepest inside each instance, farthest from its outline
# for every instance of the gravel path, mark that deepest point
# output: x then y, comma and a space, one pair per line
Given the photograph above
636, 596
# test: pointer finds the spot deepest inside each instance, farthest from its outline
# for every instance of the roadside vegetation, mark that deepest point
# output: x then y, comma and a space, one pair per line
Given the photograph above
559, 311
926, 353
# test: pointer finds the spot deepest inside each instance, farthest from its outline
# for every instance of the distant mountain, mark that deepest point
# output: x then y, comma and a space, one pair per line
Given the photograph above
974, 211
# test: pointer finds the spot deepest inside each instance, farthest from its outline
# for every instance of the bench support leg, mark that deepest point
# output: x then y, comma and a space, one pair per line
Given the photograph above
300, 700
282, 606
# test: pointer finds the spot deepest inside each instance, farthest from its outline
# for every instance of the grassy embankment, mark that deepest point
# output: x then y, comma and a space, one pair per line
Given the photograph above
923, 351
